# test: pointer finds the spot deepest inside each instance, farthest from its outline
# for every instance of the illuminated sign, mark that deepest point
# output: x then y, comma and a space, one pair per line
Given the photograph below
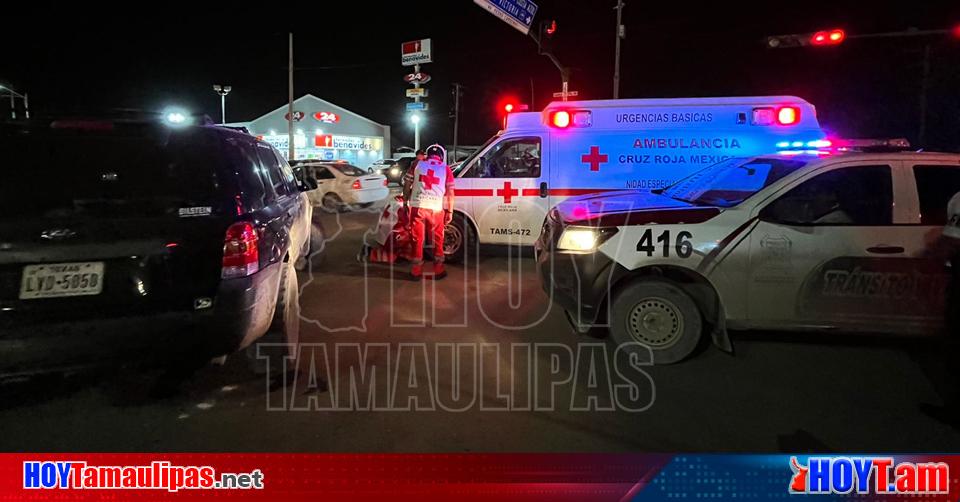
297, 116
347, 142
415, 52
327, 117
281, 141
416, 78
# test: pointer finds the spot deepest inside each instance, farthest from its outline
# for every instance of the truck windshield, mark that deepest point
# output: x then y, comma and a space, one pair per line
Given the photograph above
732, 181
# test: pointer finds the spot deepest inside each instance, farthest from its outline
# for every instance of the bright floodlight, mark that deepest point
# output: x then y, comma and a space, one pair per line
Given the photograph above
176, 117
415, 118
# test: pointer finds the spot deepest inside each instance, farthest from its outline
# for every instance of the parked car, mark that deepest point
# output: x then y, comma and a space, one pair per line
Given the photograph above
122, 240
341, 186
390, 169
804, 242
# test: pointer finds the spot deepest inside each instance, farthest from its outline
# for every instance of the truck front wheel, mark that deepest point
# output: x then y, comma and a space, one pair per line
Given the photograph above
657, 313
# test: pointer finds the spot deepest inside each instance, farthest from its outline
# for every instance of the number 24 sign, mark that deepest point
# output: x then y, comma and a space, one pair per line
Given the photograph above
327, 117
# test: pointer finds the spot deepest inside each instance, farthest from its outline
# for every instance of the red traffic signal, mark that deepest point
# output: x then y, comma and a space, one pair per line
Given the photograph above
551, 28
828, 37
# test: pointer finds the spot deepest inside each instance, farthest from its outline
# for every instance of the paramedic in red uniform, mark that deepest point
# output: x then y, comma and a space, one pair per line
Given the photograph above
428, 190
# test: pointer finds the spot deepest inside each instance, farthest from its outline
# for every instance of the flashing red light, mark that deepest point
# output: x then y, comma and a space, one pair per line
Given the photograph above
788, 115
956, 31
828, 37
508, 107
560, 119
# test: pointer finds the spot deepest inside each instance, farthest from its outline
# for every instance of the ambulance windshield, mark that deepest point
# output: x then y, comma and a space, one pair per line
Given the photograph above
470, 160
732, 181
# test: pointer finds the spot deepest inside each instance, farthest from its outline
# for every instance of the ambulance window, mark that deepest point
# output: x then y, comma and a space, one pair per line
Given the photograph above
512, 158
936, 185
861, 196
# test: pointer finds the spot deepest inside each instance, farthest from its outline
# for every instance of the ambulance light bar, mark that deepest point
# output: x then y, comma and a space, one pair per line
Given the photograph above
784, 115
562, 119
827, 147
817, 143
873, 145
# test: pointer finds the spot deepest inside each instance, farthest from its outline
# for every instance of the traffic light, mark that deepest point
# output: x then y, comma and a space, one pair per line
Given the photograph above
828, 37
821, 38
548, 29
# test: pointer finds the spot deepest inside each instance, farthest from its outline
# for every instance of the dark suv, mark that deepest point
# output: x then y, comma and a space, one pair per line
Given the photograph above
134, 238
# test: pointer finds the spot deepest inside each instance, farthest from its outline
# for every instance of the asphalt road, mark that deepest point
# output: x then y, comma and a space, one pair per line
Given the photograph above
777, 393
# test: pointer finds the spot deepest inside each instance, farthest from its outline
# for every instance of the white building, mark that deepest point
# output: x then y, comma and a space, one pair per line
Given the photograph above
324, 131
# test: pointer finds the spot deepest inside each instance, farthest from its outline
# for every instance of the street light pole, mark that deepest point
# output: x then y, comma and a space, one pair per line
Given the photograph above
222, 90
621, 32
415, 118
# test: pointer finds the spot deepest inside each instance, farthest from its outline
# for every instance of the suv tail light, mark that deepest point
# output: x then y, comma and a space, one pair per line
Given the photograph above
386, 182
241, 254
356, 185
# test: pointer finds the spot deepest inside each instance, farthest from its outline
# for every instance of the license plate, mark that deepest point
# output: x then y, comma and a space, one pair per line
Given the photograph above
56, 280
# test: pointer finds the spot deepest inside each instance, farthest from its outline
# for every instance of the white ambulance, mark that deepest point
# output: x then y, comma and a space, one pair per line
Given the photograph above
503, 191
806, 240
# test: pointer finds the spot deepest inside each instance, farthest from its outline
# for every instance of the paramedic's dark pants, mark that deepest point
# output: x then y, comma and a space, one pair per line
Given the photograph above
421, 218
951, 352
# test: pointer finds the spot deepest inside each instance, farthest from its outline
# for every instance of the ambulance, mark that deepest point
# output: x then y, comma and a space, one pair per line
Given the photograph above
504, 190
801, 240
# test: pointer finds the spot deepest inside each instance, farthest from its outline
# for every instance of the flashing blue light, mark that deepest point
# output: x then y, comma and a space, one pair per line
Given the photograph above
797, 144
819, 143
783, 144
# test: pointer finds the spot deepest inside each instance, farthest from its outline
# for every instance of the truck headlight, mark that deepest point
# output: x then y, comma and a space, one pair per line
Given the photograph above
584, 239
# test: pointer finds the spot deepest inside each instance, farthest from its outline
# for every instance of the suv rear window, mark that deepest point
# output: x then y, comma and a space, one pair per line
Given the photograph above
58, 173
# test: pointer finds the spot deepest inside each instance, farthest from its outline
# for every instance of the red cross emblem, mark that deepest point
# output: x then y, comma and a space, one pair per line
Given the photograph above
507, 192
594, 158
429, 179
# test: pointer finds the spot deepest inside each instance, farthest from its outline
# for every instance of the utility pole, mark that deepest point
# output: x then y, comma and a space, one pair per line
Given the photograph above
291, 149
924, 88
621, 33
456, 118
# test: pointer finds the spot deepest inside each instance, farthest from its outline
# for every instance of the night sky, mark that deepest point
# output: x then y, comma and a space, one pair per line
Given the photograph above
150, 55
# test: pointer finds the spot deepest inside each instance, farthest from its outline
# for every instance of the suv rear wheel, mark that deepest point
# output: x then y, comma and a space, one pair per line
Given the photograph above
659, 314
283, 337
